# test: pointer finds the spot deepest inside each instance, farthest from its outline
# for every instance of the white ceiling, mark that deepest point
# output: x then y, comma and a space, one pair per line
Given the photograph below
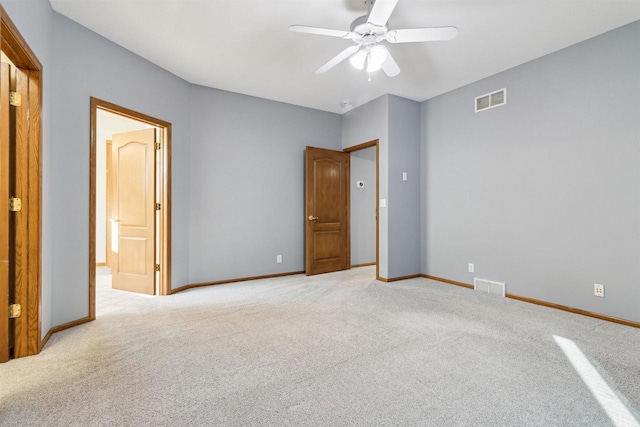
244, 46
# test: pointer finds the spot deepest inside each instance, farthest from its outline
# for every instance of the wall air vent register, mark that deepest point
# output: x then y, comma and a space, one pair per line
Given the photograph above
491, 100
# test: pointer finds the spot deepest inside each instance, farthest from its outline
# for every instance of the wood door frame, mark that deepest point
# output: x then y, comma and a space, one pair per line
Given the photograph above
28, 225
368, 144
164, 171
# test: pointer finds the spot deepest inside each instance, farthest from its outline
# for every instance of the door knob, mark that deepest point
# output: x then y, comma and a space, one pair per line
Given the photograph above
312, 218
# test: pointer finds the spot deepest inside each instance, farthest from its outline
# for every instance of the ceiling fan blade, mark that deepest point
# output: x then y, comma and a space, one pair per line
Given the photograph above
390, 67
322, 31
338, 59
422, 35
381, 11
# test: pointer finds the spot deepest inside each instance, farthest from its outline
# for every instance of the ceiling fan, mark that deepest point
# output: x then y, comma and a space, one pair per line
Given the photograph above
368, 32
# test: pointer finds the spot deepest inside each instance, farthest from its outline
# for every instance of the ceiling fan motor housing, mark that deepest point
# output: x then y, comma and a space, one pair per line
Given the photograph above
361, 26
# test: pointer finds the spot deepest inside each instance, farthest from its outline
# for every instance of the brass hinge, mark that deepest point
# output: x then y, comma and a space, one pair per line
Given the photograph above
15, 99
157, 206
157, 145
157, 267
15, 204
15, 310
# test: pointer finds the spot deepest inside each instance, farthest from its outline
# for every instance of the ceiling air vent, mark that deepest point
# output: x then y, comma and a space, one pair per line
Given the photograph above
490, 100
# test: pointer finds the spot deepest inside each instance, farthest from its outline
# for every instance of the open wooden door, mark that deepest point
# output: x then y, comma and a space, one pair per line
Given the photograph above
132, 188
326, 207
110, 212
5, 343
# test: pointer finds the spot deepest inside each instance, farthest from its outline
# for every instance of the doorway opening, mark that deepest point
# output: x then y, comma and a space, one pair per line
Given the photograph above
329, 212
20, 191
364, 180
130, 196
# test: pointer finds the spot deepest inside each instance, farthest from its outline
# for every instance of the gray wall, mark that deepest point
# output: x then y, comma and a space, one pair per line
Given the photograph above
79, 64
395, 122
247, 183
404, 196
363, 124
544, 192
86, 65
363, 206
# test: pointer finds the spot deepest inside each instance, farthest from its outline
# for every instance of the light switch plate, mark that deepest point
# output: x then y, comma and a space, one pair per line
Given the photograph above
383, 203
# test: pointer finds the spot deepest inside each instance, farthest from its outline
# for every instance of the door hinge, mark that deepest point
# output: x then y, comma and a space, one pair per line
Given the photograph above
157, 267
15, 204
157, 206
157, 145
15, 310
15, 99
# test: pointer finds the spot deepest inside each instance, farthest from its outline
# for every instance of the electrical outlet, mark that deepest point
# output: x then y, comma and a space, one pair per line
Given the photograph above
598, 290
471, 269
279, 259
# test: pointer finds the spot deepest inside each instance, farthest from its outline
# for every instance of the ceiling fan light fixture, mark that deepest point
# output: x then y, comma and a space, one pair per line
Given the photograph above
357, 59
376, 56
372, 65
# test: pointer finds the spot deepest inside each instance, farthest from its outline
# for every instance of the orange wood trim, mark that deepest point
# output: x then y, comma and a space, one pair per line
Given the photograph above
348, 213
241, 279
377, 207
34, 214
451, 282
382, 279
68, 325
44, 340
122, 111
165, 214
362, 146
28, 257
575, 310
396, 279
101, 264
367, 264
93, 132
547, 304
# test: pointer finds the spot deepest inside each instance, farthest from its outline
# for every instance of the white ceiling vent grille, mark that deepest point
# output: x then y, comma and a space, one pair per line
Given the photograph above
490, 100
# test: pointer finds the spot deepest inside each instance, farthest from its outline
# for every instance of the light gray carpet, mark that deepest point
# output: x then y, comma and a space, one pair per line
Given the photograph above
334, 349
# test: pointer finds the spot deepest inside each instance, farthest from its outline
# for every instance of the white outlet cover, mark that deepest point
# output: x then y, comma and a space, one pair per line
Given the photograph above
383, 203
598, 290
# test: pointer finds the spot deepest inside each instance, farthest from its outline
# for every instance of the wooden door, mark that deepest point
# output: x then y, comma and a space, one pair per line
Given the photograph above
110, 213
5, 79
133, 204
326, 202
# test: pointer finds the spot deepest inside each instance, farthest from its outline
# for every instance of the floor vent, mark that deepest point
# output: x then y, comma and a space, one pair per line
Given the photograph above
489, 286
490, 100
